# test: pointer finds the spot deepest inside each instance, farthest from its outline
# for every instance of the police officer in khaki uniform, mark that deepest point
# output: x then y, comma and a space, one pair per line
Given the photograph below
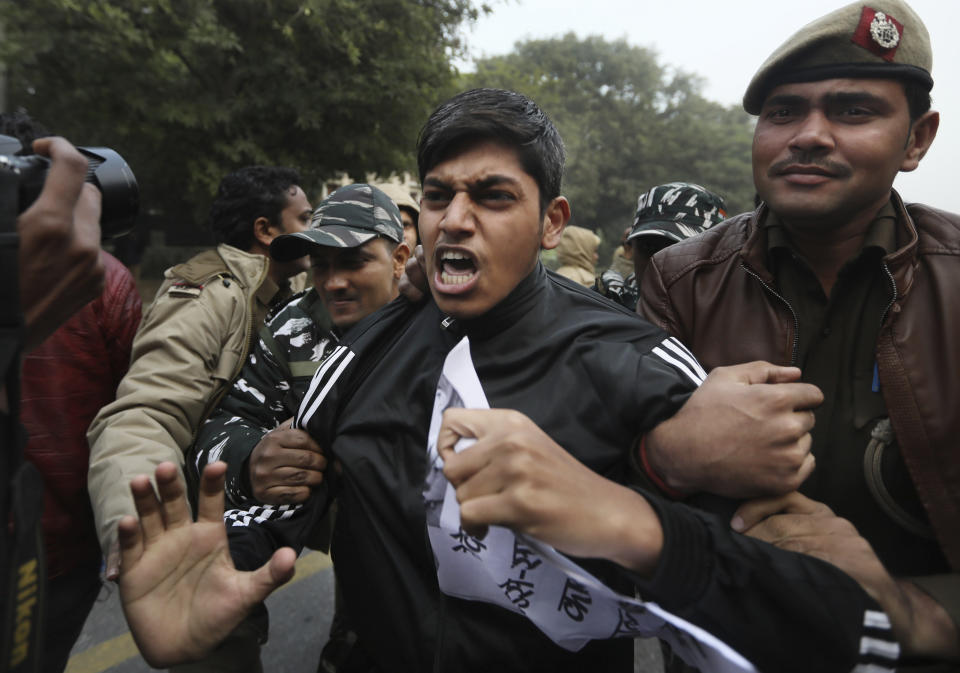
192, 342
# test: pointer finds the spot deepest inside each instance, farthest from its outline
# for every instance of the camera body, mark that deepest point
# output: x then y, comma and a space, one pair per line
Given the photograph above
107, 171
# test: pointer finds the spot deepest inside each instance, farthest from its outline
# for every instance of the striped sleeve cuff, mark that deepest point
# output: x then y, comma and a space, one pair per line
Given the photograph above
879, 650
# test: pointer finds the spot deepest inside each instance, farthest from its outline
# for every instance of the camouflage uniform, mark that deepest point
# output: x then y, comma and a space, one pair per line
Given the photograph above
267, 392
290, 347
348, 218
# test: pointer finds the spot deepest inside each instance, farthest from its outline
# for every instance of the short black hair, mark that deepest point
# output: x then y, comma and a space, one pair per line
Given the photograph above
918, 98
245, 195
503, 116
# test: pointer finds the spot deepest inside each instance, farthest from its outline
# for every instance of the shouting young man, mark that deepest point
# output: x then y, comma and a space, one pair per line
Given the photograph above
550, 353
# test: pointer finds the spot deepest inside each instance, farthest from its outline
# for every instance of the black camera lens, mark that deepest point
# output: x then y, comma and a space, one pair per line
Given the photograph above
106, 170
120, 204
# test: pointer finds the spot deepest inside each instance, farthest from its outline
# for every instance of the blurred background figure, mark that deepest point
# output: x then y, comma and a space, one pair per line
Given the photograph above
622, 260
409, 211
577, 254
668, 214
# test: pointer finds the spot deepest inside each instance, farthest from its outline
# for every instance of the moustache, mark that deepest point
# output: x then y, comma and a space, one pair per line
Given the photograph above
338, 295
809, 160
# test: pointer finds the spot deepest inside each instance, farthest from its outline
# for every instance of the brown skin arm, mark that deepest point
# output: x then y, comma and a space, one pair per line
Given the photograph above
516, 476
285, 465
179, 590
797, 523
744, 432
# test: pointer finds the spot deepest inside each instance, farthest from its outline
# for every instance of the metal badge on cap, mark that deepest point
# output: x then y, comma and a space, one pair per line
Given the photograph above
878, 33
884, 32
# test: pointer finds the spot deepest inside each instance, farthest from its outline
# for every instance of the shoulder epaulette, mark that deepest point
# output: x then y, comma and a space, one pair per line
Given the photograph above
182, 288
192, 289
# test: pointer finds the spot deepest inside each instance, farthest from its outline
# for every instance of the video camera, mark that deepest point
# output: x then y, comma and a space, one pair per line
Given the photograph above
107, 171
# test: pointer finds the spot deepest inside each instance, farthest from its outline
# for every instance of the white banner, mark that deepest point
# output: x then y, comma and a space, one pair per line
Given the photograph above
519, 573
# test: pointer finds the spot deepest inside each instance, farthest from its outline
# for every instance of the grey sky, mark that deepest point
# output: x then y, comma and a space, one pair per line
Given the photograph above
724, 41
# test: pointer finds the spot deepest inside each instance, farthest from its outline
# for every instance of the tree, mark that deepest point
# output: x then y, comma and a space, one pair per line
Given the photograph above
188, 90
628, 123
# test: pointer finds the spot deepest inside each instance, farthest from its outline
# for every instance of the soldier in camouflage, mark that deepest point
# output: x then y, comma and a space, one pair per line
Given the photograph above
355, 242
357, 254
668, 214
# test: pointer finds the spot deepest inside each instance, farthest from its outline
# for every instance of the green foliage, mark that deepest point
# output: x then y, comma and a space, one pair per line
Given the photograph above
188, 90
628, 123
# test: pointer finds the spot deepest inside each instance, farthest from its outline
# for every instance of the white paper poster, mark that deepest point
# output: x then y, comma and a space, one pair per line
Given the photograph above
520, 574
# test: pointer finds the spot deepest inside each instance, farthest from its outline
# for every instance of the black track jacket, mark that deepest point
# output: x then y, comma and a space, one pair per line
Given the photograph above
595, 377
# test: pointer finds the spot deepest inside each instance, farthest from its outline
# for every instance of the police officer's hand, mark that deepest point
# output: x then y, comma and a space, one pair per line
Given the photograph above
285, 465
515, 475
60, 268
797, 523
744, 433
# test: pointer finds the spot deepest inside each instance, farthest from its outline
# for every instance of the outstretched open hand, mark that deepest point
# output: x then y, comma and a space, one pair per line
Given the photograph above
178, 586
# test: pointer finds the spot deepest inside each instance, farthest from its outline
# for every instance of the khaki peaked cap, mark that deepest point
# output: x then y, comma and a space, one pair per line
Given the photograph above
400, 195
872, 38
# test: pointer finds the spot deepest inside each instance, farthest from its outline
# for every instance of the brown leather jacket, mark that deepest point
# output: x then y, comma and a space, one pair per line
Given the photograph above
715, 293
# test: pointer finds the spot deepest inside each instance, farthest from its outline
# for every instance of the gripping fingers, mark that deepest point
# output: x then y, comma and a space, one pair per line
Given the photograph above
452, 429
87, 216
758, 371
806, 469
307, 458
65, 179
807, 396
752, 512
294, 476
460, 468
285, 495
778, 374
477, 514
291, 438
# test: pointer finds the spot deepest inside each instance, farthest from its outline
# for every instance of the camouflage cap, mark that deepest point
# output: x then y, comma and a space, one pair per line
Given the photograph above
883, 39
400, 195
676, 211
349, 217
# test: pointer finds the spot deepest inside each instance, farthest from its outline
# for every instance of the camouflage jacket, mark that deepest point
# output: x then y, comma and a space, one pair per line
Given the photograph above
267, 392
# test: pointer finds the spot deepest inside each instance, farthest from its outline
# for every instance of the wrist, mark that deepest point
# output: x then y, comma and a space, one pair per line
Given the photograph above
636, 534
921, 624
652, 467
239, 456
